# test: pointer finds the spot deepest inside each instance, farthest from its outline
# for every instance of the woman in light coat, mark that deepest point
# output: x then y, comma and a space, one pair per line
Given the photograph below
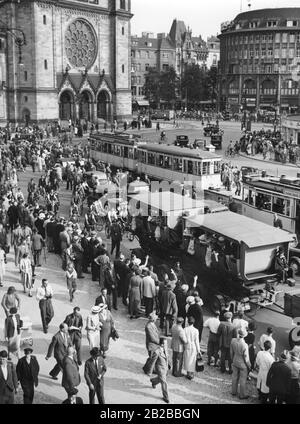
192, 348
93, 327
107, 325
263, 362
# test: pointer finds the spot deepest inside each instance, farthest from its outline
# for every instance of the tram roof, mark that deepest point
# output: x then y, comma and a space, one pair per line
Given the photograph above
241, 229
180, 151
167, 201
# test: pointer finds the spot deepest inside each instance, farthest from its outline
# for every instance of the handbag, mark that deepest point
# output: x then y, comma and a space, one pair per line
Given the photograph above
199, 363
114, 334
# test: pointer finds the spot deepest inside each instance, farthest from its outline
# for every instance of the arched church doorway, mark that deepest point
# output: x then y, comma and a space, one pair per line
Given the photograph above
103, 106
66, 106
85, 103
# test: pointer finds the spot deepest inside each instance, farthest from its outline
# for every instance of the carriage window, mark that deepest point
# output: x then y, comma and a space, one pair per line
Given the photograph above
135, 154
245, 195
161, 161
117, 150
206, 166
199, 168
105, 149
217, 167
263, 201
281, 206
109, 148
125, 152
252, 195
144, 157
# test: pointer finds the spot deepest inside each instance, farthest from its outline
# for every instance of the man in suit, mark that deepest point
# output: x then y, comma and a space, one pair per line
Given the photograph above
27, 372
94, 371
279, 380
177, 345
152, 343
8, 380
169, 308
75, 324
239, 353
71, 376
162, 365
13, 325
195, 311
59, 344
121, 270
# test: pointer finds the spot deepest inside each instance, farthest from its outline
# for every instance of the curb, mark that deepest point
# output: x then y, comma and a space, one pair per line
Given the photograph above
291, 165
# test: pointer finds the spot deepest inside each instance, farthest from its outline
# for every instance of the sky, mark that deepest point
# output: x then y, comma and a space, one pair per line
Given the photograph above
204, 17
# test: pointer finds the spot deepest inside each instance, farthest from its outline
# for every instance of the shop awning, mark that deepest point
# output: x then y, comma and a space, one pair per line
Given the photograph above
143, 103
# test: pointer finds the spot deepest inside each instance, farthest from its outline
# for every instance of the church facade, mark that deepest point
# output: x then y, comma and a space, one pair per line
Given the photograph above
75, 63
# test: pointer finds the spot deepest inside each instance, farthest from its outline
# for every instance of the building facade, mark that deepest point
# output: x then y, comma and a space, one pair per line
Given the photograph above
260, 61
213, 52
177, 49
75, 64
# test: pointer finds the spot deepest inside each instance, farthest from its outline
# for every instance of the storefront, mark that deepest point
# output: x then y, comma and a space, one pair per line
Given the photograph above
291, 128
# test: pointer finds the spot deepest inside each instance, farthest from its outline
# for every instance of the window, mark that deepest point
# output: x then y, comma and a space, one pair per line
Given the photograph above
263, 201
291, 52
165, 67
291, 23
205, 168
271, 23
44, 19
292, 38
276, 53
263, 38
133, 54
139, 80
25, 99
147, 66
45, 64
257, 52
281, 206
283, 53
123, 69
298, 52
141, 91
147, 55
217, 167
277, 37
123, 30
270, 38
151, 158
270, 52
263, 52
284, 37
298, 38
257, 38
253, 24
25, 76
122, 4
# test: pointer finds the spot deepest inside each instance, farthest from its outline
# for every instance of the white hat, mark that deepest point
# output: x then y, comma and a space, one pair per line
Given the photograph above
95, 309
102, 306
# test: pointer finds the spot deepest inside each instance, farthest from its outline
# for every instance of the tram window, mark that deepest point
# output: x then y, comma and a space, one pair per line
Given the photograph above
245, 195
167, 162
190, 167
251, 197
198, 168
144, 157
161, 161
109, 148
125, 152
206, 166
117, 150
177, 164
130, 153
105, 148
263, 201
217, 167
151, 159
281, 206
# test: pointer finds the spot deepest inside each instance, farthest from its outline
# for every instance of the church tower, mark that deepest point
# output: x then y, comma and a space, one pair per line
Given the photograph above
75, 63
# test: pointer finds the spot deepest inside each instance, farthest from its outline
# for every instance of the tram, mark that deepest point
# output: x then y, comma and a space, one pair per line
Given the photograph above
160, 162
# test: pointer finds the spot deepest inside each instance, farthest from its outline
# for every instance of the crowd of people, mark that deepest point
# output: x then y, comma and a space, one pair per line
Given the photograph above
32, 225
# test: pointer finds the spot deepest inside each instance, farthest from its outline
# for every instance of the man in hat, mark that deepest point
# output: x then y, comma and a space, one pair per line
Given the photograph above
59, 345
239, 353
169, 308
196, 312
152, 343
27, 371
8, 380
94, 371
121, 271
75, 324
161, 366
226, 332
72, 398
279, 380
71, 377
177, 345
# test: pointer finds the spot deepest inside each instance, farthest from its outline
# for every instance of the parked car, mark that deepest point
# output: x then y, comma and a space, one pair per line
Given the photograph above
182, 141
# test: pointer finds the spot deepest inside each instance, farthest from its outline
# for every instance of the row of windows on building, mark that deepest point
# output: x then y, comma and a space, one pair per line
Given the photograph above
260, 51
270, 24
264, 69
137, 67
265, 38
138, 54
137, 91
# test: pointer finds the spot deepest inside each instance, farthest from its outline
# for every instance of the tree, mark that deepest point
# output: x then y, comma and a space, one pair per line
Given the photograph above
161, 85
198, 84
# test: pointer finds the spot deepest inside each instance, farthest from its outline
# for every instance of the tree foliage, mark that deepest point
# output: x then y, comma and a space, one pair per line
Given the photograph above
161, 85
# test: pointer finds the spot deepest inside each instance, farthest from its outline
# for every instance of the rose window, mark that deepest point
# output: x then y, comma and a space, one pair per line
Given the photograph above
81, 44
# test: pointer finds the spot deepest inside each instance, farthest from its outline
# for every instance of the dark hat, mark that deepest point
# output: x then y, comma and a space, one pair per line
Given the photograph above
180, 320
251, 326
27, 348
95, 351
3, 354
283, 355
73, 392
